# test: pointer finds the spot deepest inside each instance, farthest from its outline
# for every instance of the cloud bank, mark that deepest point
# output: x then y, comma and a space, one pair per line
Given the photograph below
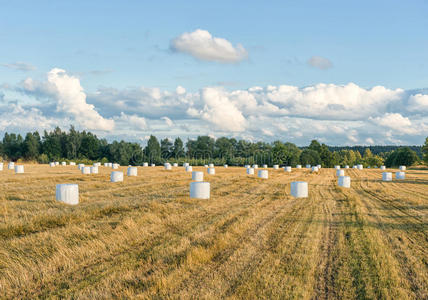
334, 114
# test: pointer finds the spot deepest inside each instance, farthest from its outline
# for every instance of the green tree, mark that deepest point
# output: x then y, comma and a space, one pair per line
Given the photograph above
425, 151
153, 150
403, 156
178, 148
309, 157
31, 147
166, 148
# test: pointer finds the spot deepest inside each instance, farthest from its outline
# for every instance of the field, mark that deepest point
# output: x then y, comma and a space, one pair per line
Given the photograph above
144, 238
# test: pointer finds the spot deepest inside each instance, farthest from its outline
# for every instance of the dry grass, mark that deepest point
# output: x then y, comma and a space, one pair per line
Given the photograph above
144, 238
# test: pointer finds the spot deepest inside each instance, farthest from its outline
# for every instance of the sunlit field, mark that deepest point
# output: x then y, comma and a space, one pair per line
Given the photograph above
145, 238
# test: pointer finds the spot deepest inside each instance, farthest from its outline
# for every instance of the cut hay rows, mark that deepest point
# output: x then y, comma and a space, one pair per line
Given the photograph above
145, 238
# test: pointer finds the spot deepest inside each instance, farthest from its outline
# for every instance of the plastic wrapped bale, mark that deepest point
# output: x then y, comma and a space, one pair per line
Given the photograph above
106, 165
340, 172
72, 163
386, 176
200, 190
86, 170
211, 166
315, 169
63, 163
115, 166
354, 167
287, 169
116, 176
226, 166
255, 166
132, 171
94, 170
211, 171
57, 163
299, 189
189, 169
1, 166
67, 193
298, 166
153, 165
186, 164
205, 166
346, 167
382, 167
264, 166
175, 165
19, 169
247, 166
360, 167
402, 168
344, 181
337, 167
400, 175
250, 171
308, 166
319, 167
168, 167
145, 164
197, 176
275, 167
11, 165
263, 174
51, 164
110, 165
80, 166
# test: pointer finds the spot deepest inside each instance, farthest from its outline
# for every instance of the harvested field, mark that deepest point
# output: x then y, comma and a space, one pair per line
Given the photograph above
144, 237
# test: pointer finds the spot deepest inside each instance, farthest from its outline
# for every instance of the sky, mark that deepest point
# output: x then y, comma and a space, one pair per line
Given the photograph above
345, 73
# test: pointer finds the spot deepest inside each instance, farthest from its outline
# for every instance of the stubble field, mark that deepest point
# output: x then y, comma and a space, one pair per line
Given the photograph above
144, 238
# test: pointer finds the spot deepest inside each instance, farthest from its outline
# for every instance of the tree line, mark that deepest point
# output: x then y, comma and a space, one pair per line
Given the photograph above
86, 147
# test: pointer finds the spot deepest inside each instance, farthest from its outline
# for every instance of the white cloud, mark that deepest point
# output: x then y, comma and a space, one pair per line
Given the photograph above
180, 90
132, 121
20, 66
320, 62
396, 122
203, 46
418, 103
168, 121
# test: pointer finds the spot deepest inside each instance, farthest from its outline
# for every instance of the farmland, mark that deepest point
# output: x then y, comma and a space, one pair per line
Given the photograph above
146, 238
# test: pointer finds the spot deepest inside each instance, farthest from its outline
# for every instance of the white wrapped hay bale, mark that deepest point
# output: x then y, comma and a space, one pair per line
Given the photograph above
94, 170
186, 164
115, 166
67, 193
299, 189
340, 172
255, 166
86, 170
97, 164
264, 166
315, 169
189, 169
319, 167
211, 166
402, 168
106, 165
400, 175
205, 166
110, 165
116, 176
337, 167
298, 166
132, 171
382, 167
360, 167
287, 169
250, 171
175, 165
386, 176
275, 167
57, 163
344, 181
80, 166
51, 164
72, 163
226, 166
11, 165
145, 164
211, 171
1, 166
19, 169
263, 174
346, 167
308, 166
197, 176
354, 167
153, 165
63, 163
200, 190
168, 167
247, 166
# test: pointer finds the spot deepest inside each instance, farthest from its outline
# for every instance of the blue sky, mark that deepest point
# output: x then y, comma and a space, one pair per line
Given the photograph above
116, 48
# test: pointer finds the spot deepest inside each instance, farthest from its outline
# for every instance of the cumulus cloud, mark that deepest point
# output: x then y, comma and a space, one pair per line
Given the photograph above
168, 121
203, 46
320, 62
132, 121
20, 66
418, 103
